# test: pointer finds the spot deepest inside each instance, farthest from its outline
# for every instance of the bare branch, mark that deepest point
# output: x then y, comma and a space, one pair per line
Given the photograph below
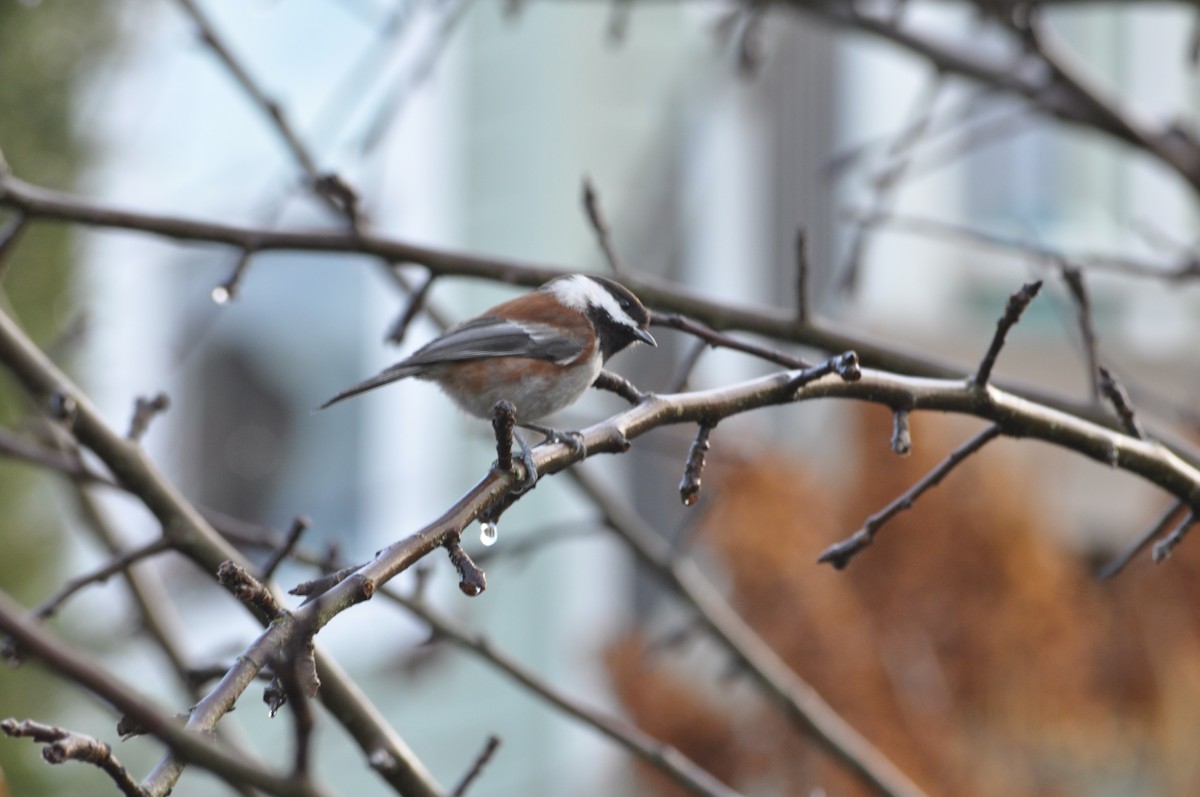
1163, 549
242, 77
10, 236
452, 14
319, 586
802, 706
666, 759
1111, 388
416, 301
63, 745
803, 297
189, 746
472, 581
1055, 89
693, 469
249, 590
18, 447
101, 574
615, 383
681, 303
485, 755
1168, 519
595, 215
231, 286
299, 525
1186, 268
1087, 329
144, 412
840, 554
187, 530
717, 339
1012, 314
887, 183
687, 366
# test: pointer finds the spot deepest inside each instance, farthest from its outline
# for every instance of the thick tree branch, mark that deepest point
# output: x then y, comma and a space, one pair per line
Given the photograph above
778, 324
190, 534
798, 701
188, 745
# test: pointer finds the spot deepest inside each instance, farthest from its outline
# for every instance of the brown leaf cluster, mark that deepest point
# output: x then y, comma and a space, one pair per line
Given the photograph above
967, 643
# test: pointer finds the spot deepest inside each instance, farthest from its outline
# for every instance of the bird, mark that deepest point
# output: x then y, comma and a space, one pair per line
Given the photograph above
540, 351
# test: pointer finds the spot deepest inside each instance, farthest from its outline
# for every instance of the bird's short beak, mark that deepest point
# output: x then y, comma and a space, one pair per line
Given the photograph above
645, 337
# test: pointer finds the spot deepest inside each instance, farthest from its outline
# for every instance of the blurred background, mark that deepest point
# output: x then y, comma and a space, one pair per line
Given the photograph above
971, 644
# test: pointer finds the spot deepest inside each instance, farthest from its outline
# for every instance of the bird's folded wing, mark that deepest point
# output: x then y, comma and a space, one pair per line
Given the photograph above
479, 338
491, 336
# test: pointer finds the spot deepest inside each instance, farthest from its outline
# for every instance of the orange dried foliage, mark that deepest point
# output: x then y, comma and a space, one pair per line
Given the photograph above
970, 647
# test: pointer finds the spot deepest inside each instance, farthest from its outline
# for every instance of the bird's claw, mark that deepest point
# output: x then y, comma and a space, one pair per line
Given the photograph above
531, 473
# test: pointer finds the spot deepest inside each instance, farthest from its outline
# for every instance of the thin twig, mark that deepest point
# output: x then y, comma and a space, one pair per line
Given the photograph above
1012, 314
1163, 549
323, 184
1062, 96
299, 525
144, 411
10, 235
1110, 388
840, 554
416, 301
723, 341
101, 574
803, 295
228, 289
666, 759
615, 383
452, 13
1073, 278
62, 745
318, 586
242, 77
1187, 268
485, 755
70, 465
687, 366
1168, 519
887, 182
599, 224
844, 365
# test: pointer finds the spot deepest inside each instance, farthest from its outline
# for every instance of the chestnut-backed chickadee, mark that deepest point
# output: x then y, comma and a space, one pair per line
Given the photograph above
540, 351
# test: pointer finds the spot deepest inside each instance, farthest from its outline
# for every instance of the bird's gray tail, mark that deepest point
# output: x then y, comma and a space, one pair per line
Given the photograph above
396, 372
